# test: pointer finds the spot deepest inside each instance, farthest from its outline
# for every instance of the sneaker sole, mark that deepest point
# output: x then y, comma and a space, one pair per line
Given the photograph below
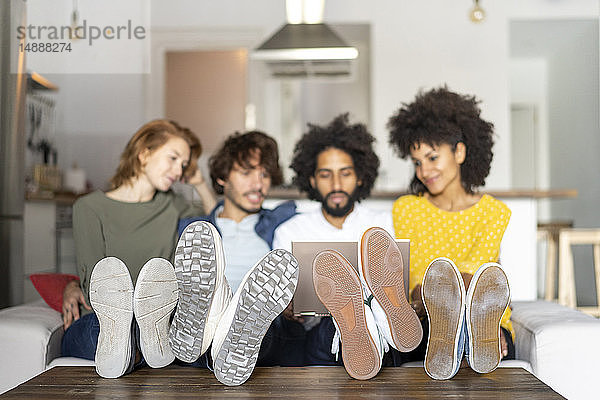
487, 299
266, 292
337, 285
154, 299
382, 268
111, 297
444, 298
195, 270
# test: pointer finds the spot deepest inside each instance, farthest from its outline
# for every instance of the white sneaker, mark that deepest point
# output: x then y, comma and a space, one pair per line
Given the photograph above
487, 299
264, 293
338, 286
443, 293
203, 291
382, 276
154, 299
111, 297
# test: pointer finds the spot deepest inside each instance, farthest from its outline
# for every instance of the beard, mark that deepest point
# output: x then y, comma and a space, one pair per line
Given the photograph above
339, 211
230, 194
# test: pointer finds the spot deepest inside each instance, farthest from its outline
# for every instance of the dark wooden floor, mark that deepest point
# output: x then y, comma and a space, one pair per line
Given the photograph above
309, 382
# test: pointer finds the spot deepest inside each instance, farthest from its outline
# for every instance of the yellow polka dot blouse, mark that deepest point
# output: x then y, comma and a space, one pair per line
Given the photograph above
469, 237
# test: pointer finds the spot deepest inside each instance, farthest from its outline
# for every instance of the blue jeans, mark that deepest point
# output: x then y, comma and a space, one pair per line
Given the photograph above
81, 338
282, 345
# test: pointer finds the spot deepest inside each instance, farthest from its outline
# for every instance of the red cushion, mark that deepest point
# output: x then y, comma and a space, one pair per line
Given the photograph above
51, 287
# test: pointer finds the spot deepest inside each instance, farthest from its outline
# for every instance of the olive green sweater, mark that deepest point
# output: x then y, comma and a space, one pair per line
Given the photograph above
132, 232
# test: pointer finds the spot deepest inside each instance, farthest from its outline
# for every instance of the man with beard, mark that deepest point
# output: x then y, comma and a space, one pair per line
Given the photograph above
243, 170
336, 166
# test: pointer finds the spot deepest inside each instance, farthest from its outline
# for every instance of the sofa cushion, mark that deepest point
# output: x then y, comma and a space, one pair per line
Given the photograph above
561, 344
70, 362
30, 337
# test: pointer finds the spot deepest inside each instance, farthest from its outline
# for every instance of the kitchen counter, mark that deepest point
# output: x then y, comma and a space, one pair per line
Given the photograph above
61, 198
292, 193
518, 250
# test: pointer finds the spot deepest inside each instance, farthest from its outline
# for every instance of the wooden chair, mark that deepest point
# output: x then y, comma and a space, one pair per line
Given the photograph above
566, 283
548, 232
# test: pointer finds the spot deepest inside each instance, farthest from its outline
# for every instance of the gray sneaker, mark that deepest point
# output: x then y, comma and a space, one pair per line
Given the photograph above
154, 300
443, 293
203, 291
264, 293
111, 297
487, 299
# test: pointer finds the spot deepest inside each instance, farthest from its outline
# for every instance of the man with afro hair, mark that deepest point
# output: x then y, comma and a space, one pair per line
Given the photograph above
336, 166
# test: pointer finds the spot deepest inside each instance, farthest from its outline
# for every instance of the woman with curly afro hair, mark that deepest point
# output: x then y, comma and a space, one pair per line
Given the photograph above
455, 232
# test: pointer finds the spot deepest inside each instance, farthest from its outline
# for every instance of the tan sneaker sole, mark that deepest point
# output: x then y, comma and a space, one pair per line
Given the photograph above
444, 298
338, 287
487, 299
382, 268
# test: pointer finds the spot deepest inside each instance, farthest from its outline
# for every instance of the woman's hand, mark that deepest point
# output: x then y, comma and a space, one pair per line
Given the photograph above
72, 297
416, 302
209, 201
196, 179
503, 344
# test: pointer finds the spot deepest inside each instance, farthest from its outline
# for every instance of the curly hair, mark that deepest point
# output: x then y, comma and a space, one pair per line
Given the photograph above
151, 136
440, 116
240, 148
353, 139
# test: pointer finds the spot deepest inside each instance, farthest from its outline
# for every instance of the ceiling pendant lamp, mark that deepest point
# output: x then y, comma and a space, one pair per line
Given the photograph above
477, 14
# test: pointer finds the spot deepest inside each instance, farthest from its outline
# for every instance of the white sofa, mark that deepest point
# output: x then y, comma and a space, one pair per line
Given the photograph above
558, 345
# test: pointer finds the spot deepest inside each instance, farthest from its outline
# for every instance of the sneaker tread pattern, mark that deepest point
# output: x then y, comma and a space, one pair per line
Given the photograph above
265, 294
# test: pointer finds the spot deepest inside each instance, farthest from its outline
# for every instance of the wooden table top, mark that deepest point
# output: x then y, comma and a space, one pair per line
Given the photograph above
278, 382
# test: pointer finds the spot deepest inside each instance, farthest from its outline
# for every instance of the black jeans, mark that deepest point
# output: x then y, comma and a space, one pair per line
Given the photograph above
318, 344
318, 347
283, 345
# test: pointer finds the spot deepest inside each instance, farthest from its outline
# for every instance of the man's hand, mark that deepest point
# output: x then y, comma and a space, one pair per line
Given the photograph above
288, 313
72, 297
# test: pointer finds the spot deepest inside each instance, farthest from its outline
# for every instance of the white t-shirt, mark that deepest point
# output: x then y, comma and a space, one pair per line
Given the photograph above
313, 226
242, 247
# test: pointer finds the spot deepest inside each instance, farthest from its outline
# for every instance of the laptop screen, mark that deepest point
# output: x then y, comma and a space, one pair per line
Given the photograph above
306, 301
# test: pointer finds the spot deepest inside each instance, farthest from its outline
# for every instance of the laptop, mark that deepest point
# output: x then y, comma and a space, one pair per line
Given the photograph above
306, 302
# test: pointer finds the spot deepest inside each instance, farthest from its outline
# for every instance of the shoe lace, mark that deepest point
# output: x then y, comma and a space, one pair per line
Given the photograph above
335, 343
337, 339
